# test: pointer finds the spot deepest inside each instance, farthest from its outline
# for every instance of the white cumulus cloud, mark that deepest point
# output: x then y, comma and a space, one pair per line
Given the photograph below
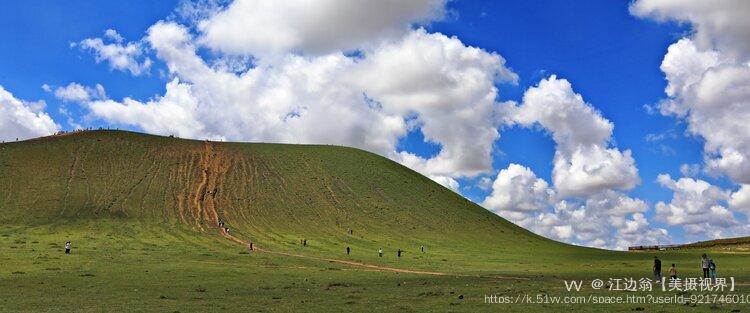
322, 26
517, 189
75, 92
708, 75
720, 23
709, 78
607, 219
699, 208
22, 119
584, 162
368, 101
120, 56
740, 200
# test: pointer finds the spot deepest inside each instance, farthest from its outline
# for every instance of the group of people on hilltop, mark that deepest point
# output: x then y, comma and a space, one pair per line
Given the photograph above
707, 265
80, 130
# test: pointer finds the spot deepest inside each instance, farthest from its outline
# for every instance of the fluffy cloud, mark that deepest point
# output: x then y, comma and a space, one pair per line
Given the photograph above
607, 219
517, 189
709, 78
368, 101
740, 200
697, 207
174, 113
450, 95
22, 119
690, 170
259, 27
75, 92
585, 205
584, 164
722, 24
124, 57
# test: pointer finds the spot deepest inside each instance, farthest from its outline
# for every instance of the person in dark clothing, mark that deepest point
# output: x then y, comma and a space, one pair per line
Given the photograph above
657, 268
705, 265
398, 253
304, 242
348, 250
380, 252
422, 249
250, 246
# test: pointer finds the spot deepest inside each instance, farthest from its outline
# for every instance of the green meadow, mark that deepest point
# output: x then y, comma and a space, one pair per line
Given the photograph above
142, 214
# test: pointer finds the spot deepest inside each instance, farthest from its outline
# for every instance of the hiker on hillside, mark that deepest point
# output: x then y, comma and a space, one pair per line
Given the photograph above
673, 272
221, 223
67, 247
226, 230
250, 246
712, 268
380, 252
422, 249
304, 242
657, 269
398, 253
348, 250
704, 265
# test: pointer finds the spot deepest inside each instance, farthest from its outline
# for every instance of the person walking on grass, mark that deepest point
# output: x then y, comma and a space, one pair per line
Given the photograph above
704, 265
422, 247
67, 247
657, 269
673, 272
712, 268
398, 253
348, 250
380, 252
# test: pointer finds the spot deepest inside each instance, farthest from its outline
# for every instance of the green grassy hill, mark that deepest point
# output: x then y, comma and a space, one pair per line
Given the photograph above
729, 244
142, 212
271, 194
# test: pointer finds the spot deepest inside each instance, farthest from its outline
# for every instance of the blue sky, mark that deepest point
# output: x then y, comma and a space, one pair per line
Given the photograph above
609, 56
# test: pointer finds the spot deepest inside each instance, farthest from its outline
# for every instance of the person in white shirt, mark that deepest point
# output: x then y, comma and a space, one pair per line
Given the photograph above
704, 265
67, 247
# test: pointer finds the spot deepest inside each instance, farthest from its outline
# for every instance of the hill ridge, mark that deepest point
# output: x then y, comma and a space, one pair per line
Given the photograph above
270, 194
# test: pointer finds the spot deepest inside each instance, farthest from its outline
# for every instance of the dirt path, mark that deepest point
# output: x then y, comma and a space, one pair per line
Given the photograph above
213, 167
71, 176
358, 264
214, 164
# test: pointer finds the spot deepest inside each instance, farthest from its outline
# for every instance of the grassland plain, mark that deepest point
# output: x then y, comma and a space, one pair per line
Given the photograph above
142, 212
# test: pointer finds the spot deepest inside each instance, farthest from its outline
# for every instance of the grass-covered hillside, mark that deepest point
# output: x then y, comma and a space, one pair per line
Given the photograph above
142, 213
273, 195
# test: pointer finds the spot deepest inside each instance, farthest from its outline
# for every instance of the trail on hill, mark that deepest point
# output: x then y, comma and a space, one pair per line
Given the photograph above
362, 264
202, 200
214, 164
